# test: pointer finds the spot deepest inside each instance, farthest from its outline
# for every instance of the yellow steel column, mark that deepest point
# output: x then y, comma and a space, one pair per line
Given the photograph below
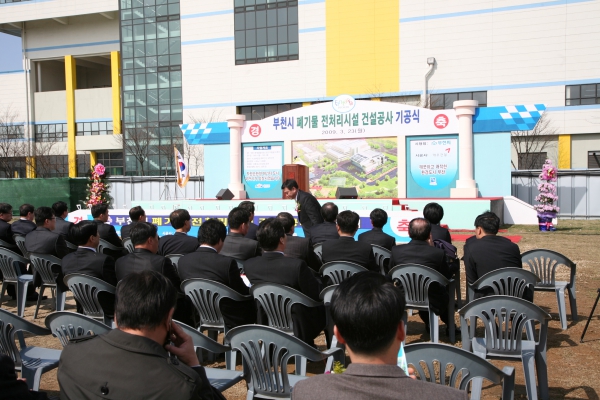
115, 65
30, 167
93, 158
71, 80
564, 151
306, 104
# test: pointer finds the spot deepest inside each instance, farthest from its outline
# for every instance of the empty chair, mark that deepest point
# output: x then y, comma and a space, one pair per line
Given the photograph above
544, 263
382, 257
10, 266
43, 265
128, 245
222, 379
415, 280
66, 325
174, 259
318, 248
86, 289
466, 367
338, 271
504, 319
20, 241
110, 249
31, 361
266, 352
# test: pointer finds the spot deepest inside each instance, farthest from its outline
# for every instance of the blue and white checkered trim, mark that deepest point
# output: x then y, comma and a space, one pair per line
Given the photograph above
523, 117
206, 133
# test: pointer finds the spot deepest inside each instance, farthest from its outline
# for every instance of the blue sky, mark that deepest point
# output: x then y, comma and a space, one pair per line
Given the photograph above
11, 59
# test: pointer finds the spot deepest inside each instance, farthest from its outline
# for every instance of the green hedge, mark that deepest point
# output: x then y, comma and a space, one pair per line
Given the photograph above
43, 192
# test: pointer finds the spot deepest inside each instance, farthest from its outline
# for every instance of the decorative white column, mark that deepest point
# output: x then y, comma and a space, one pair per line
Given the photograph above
465, 184
235, 123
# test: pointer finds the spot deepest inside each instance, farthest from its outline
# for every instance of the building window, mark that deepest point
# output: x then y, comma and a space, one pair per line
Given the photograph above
112, 161
8, 132
253, 113
11, 1
51, 133
593, 159
83, 165
265, 31
579, 95
532, 160
12, 167
52, 166
94, 128
446, 101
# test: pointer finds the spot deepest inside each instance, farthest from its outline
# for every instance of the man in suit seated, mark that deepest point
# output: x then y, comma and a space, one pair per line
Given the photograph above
307, 206
25, 223
180, 242
420, 251
367, 311
6, 233
252, 227
346, 248
106, 231
274, 267
86, 260
147, 356
298, 247
12, 388
61, 211
486, 252
207, 263
328, 229
236, 244
136, 214
376, 235
434, 213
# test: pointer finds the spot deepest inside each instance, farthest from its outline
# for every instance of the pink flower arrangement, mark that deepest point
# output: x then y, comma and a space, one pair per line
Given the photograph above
97, 189
547, 197
99, 169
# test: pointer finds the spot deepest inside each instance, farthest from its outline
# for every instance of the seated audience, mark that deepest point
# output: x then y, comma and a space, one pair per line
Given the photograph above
207, 263
6, 233
43, 239
376, 235
133, 360
298, 247
252, 227
236, 244
25, 223
136, 214
434, 213
346, 248
180, 242
61, 211
327, 229
106, 231
367, 311
13, 388
274, 267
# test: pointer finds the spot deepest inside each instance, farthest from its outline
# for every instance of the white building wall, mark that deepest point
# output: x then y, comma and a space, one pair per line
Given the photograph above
32, 10
50, 107
13, 98
93, 104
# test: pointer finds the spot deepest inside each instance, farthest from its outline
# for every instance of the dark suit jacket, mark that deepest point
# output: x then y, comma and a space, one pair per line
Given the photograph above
438, 232
108, 233
45, 241
141, 260
62, 227
239, 247
378, 237
299, 247
324, 231
347, 249
252, 229
274, 267
367, 382
23, 227
309, 211
206, 263
179, 243
10, 387
6, 232
126, 229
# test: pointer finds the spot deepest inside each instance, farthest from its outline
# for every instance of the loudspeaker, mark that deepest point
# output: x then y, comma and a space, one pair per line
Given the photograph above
346, 193
224, 194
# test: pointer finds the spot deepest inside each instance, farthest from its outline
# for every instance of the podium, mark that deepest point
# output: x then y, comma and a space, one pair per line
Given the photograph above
297, 172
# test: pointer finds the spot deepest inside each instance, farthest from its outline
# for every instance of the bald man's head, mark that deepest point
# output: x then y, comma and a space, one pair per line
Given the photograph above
419, 229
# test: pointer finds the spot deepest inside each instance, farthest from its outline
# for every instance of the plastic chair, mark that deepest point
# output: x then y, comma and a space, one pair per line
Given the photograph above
206, 295
277, 301
104, 245
128, 244
338, 271
66, 325
467, 364
543, 263
12, 276
7, 245
318, 248
504, 319
415, 280
381, 256
20, 241
31, 361
222, 379
85, 289
240, 265
42, 265
266, 352
71, 246
332, 341
174, 259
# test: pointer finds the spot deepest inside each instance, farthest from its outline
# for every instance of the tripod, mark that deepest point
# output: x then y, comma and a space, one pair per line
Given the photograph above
590, 317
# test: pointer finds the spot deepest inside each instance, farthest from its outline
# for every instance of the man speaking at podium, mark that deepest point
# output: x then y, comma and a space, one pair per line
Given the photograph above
308, 208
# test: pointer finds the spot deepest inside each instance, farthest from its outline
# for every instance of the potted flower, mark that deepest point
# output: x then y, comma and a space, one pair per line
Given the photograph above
97, 188
547, 209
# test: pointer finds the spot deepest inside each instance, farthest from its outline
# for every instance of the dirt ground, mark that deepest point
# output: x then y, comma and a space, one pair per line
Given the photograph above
573, 373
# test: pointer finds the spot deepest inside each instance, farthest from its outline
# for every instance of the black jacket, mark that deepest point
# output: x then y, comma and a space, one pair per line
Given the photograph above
324, 231
299, 247
108, 233
10, 387
252, 229
238, 247
44, 241
126, 229
62, 227
309, 211
347, 249
438, 232
6, 232
179, 243
141, 260
23, 227
378, 237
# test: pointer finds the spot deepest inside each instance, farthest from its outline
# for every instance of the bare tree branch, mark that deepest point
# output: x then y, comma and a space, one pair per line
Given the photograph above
136, 142
13, 147
531, 145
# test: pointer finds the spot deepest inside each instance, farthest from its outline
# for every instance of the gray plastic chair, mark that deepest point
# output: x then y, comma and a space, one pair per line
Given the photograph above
277, 301
504, 319
42, 265
175, 260
205, 296
381, 256
222, 379
71, 246
31, 361
85, 289
8, 246
467, 364
66, 325
415, 280
318, 248
104, 245
266, 352
332, 341
504, 282
544, 263
20, 241
338, 271
240, 265
12, 276
128, 244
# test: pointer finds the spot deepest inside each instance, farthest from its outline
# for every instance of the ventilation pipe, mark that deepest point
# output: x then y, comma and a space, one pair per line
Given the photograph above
431, 63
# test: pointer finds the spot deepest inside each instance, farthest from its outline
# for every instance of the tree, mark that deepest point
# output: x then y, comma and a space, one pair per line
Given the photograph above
194, 154
532, 146
136, 142
13, 149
